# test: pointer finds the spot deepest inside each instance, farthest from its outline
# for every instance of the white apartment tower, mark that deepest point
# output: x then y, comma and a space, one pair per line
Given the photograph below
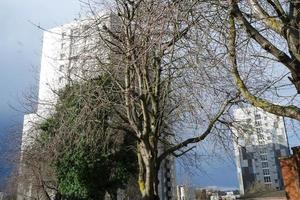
261, 140
59, 65
59, 61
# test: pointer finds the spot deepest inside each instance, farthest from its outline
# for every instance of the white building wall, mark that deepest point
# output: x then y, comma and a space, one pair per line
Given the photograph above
50, 75
55, 72
29, 131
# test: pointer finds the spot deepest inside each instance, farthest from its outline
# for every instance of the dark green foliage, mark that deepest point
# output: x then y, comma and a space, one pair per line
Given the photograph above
90, 157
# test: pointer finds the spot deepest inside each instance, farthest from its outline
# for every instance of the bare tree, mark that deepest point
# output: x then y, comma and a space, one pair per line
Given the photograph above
148, 42
273, 26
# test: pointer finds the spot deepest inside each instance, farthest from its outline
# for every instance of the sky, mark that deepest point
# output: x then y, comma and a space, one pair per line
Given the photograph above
20, 51
20, 55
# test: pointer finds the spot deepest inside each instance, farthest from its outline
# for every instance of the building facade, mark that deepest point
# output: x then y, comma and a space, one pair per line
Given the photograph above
64, 61
261, 139
60, 53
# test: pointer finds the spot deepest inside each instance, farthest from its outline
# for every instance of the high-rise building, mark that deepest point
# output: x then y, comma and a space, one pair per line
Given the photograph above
166, 178
63, 60
261, 139
60, 54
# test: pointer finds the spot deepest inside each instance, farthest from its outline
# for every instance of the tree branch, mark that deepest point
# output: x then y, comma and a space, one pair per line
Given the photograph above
271, 22
286, 111
261, 40
278, 8
198, 138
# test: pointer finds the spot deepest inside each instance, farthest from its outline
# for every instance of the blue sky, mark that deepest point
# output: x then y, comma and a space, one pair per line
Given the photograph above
20, 50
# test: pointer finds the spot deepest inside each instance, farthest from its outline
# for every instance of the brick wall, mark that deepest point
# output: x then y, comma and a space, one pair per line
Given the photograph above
290, 168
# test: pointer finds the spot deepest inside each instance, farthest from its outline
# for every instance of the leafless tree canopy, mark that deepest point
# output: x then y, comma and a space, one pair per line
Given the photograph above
162, 79
271, 28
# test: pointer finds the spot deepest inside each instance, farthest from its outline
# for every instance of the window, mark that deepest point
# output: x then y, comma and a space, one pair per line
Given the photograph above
62, 55
62, 45
266, 172
258, 130
257, 116
261, 142
60, 79
63, 35
263, 150
276, 180
267, 179
276, 124
260, 136
264, 164
263, 157
257, 123
61, 68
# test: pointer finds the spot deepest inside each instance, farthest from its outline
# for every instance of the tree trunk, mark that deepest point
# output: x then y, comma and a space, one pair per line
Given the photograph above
113, 194
295, 79
57, 196
148, 173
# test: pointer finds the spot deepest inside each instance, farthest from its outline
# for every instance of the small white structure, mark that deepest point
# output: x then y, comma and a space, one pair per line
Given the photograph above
214, 196
181, 192
229, 196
